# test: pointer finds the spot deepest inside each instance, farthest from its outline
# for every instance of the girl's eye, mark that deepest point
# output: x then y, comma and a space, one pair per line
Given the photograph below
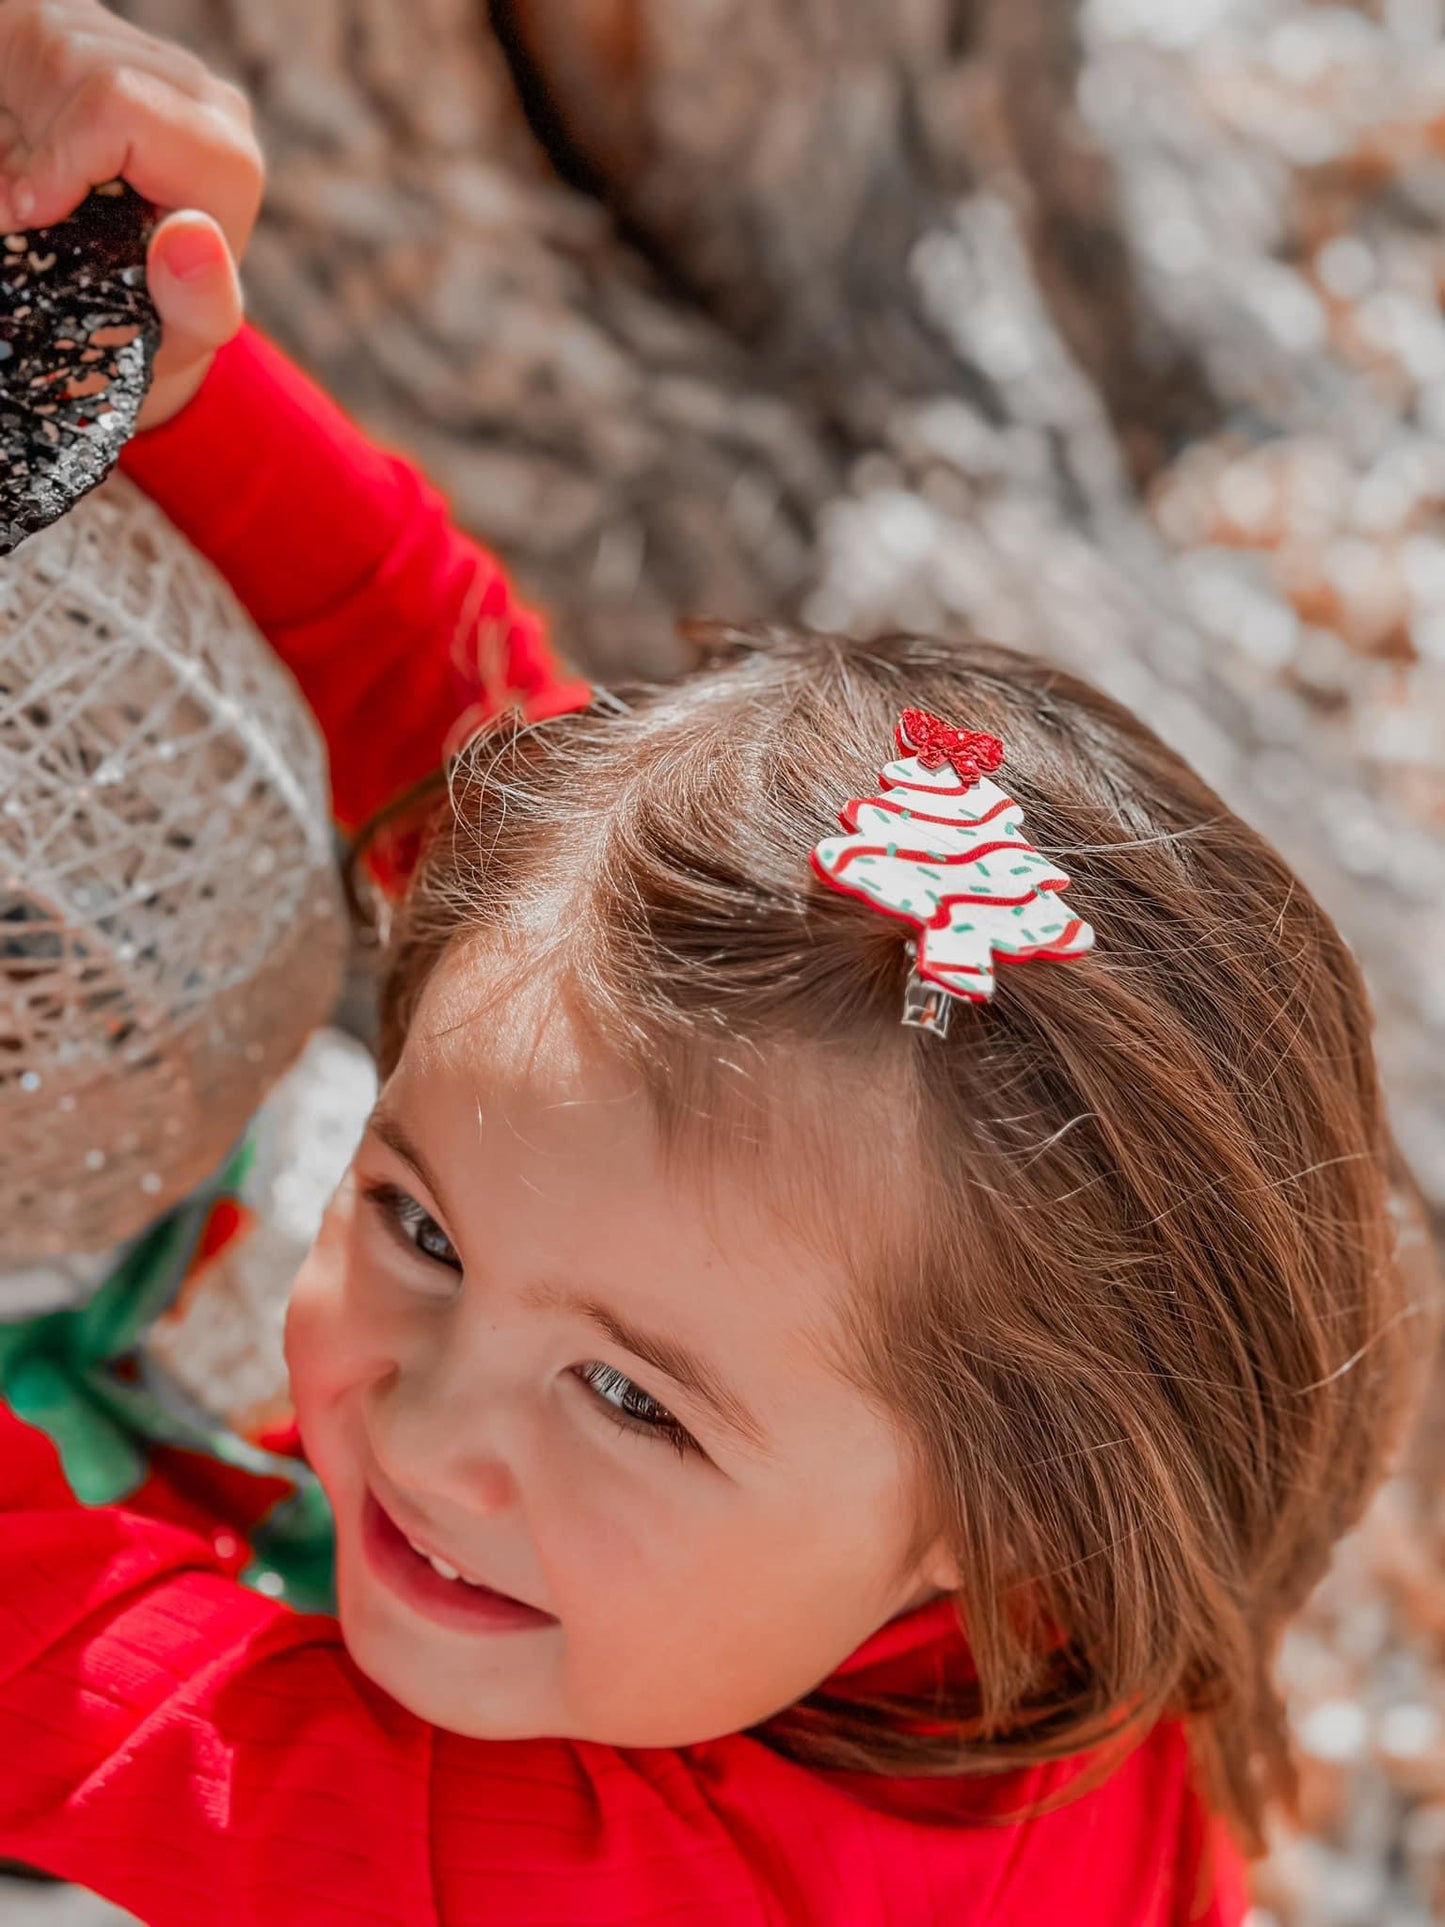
411, 1226
634, 1410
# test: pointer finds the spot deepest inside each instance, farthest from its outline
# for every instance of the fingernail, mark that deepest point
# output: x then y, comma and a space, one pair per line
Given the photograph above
22, 199
189, 252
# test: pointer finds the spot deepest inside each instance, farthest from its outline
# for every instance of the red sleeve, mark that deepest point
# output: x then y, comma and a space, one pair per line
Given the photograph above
393, 622
195, 1752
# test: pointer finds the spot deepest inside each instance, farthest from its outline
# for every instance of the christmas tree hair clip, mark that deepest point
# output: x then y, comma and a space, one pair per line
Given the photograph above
943, 848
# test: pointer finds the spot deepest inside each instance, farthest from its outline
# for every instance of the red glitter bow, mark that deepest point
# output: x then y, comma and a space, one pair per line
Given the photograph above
934, 742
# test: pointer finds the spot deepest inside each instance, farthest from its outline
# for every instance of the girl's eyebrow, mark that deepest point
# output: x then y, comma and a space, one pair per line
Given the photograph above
396, 1137
666, 1355
674, 1359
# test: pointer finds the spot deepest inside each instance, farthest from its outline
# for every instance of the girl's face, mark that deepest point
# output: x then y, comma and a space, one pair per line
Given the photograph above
596, 1389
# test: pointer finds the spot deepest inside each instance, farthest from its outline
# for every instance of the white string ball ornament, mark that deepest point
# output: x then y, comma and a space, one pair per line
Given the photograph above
171, 922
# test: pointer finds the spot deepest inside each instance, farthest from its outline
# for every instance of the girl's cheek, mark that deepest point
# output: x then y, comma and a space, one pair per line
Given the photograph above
312, 1357
609, 1532
326, 1320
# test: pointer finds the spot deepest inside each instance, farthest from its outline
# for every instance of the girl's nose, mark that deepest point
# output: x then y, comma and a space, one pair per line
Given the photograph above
427, 1448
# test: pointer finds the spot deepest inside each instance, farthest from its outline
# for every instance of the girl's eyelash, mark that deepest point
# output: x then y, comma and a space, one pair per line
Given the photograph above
632, 1409
408, 1222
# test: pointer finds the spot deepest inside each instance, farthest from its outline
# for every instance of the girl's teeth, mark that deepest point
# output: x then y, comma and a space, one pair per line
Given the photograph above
437, 1565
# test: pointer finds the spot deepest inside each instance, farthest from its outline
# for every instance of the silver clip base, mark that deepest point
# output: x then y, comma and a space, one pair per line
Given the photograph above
926, 1006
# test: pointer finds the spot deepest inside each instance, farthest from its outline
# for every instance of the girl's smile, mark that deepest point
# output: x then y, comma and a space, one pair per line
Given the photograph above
433, 1586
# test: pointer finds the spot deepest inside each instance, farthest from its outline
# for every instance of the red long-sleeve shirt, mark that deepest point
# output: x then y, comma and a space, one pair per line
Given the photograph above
201, 1754
391, 620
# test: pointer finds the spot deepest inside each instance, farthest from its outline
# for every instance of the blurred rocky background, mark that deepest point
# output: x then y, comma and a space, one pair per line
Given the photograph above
1112, 327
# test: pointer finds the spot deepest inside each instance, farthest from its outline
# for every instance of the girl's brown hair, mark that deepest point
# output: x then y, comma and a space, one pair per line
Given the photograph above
1145, 1324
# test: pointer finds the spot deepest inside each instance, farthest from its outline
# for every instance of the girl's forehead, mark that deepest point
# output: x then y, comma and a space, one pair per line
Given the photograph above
558, 1192
502, 1019
818, 1139
768, 1172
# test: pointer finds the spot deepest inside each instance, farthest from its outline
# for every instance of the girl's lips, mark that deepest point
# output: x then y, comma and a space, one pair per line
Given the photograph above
450, 1602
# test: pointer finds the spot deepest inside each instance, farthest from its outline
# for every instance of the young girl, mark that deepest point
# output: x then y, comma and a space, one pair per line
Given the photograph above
790, 1464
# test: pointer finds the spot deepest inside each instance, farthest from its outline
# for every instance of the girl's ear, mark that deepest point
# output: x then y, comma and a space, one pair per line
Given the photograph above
939, 1570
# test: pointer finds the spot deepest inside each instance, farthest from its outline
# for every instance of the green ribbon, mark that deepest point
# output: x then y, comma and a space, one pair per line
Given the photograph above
83, 1378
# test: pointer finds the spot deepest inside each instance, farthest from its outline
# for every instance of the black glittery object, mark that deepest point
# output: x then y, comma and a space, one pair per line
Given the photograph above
78, 335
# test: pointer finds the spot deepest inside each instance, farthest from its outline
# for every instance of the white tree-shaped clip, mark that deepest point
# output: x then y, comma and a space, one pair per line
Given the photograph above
943, 848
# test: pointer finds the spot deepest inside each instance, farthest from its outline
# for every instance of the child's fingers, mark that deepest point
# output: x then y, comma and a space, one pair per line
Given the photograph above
56, 54
193, 282
134, 125
50, 48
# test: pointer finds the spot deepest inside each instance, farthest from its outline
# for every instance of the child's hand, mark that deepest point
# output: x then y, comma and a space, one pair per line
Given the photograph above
85, 98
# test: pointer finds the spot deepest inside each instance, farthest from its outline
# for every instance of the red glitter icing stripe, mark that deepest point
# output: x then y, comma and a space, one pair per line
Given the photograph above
848, 815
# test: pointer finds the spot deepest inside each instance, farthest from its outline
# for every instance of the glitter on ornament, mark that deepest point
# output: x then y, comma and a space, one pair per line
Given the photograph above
78, 333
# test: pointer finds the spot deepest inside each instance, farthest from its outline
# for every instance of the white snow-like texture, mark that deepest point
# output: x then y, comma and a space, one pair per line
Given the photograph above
954, 860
